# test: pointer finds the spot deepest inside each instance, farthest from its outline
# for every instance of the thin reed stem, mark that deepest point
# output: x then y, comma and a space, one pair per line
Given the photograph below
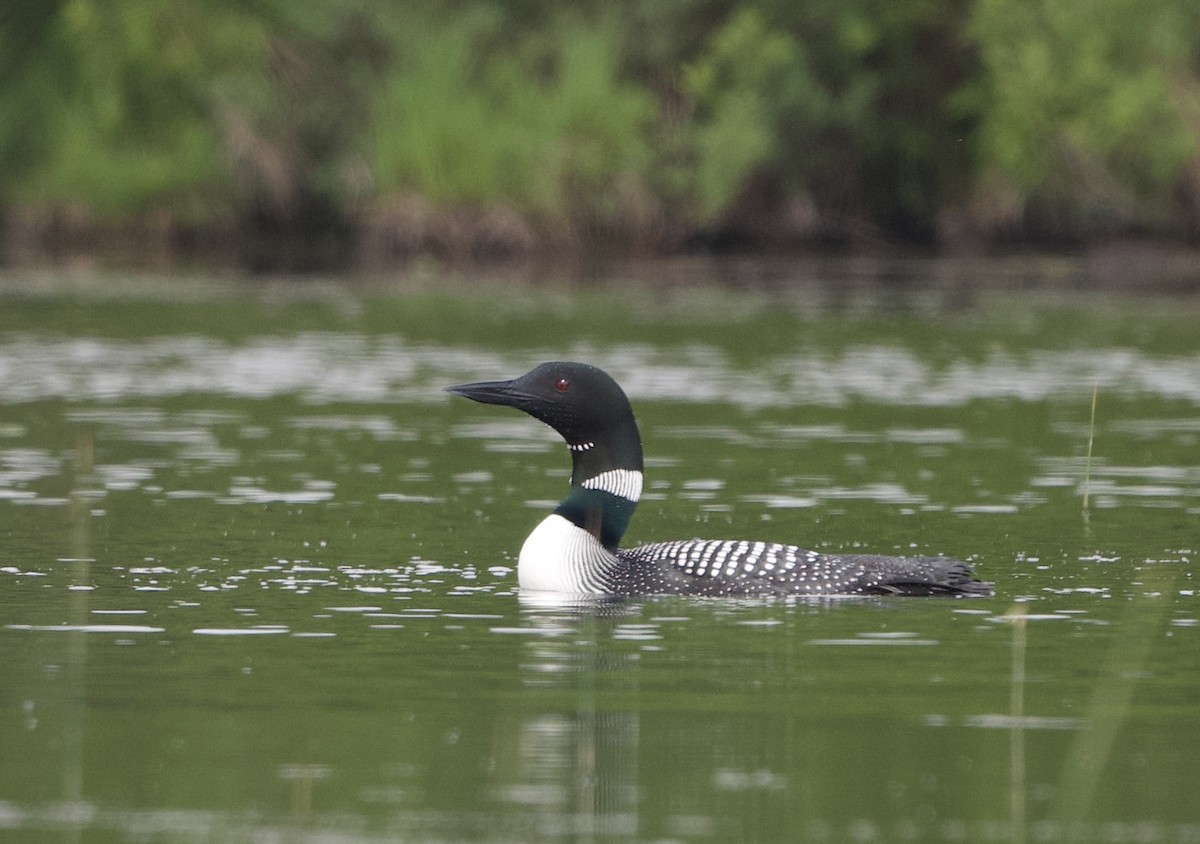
1087, 469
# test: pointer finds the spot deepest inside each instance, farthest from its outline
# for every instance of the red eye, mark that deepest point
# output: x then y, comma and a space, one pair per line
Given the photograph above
562, 385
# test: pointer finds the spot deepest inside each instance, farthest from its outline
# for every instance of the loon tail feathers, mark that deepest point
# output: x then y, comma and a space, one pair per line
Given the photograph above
935, 576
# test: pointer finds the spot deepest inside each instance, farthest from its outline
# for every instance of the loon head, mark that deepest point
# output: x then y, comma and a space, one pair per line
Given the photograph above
591, 412
583, 403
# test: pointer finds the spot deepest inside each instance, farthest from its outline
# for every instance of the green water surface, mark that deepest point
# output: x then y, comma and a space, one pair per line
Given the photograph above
257, 571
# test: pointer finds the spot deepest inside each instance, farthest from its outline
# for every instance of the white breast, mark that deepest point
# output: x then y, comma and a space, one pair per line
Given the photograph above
560, 556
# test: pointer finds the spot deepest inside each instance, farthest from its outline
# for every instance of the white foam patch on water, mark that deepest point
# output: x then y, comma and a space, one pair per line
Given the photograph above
781, 502
258, 495
87, 628
118, 612
874, 642
264, 630
533, 631
1026, 722
725, 779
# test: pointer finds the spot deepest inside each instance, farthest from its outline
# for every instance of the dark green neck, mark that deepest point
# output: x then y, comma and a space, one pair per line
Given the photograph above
602, 514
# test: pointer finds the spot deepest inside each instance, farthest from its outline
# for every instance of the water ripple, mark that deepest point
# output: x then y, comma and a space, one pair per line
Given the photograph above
327, 367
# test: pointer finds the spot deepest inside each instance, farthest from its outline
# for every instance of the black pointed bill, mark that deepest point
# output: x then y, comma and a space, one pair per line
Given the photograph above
490, 392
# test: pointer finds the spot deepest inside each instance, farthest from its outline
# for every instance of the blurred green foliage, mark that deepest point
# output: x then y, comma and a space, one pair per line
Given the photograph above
758, 107
649, 121
1092, 108
106, 106
546, 125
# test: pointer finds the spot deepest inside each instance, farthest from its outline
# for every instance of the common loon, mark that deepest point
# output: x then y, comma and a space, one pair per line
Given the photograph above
576, 548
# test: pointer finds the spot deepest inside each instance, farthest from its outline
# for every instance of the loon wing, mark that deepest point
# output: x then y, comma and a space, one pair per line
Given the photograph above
731, 567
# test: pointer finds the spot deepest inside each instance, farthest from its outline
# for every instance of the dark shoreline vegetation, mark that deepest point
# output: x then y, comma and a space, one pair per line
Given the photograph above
317, 136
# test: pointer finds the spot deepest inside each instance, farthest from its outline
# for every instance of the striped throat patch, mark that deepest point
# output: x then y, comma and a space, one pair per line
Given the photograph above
626, 483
